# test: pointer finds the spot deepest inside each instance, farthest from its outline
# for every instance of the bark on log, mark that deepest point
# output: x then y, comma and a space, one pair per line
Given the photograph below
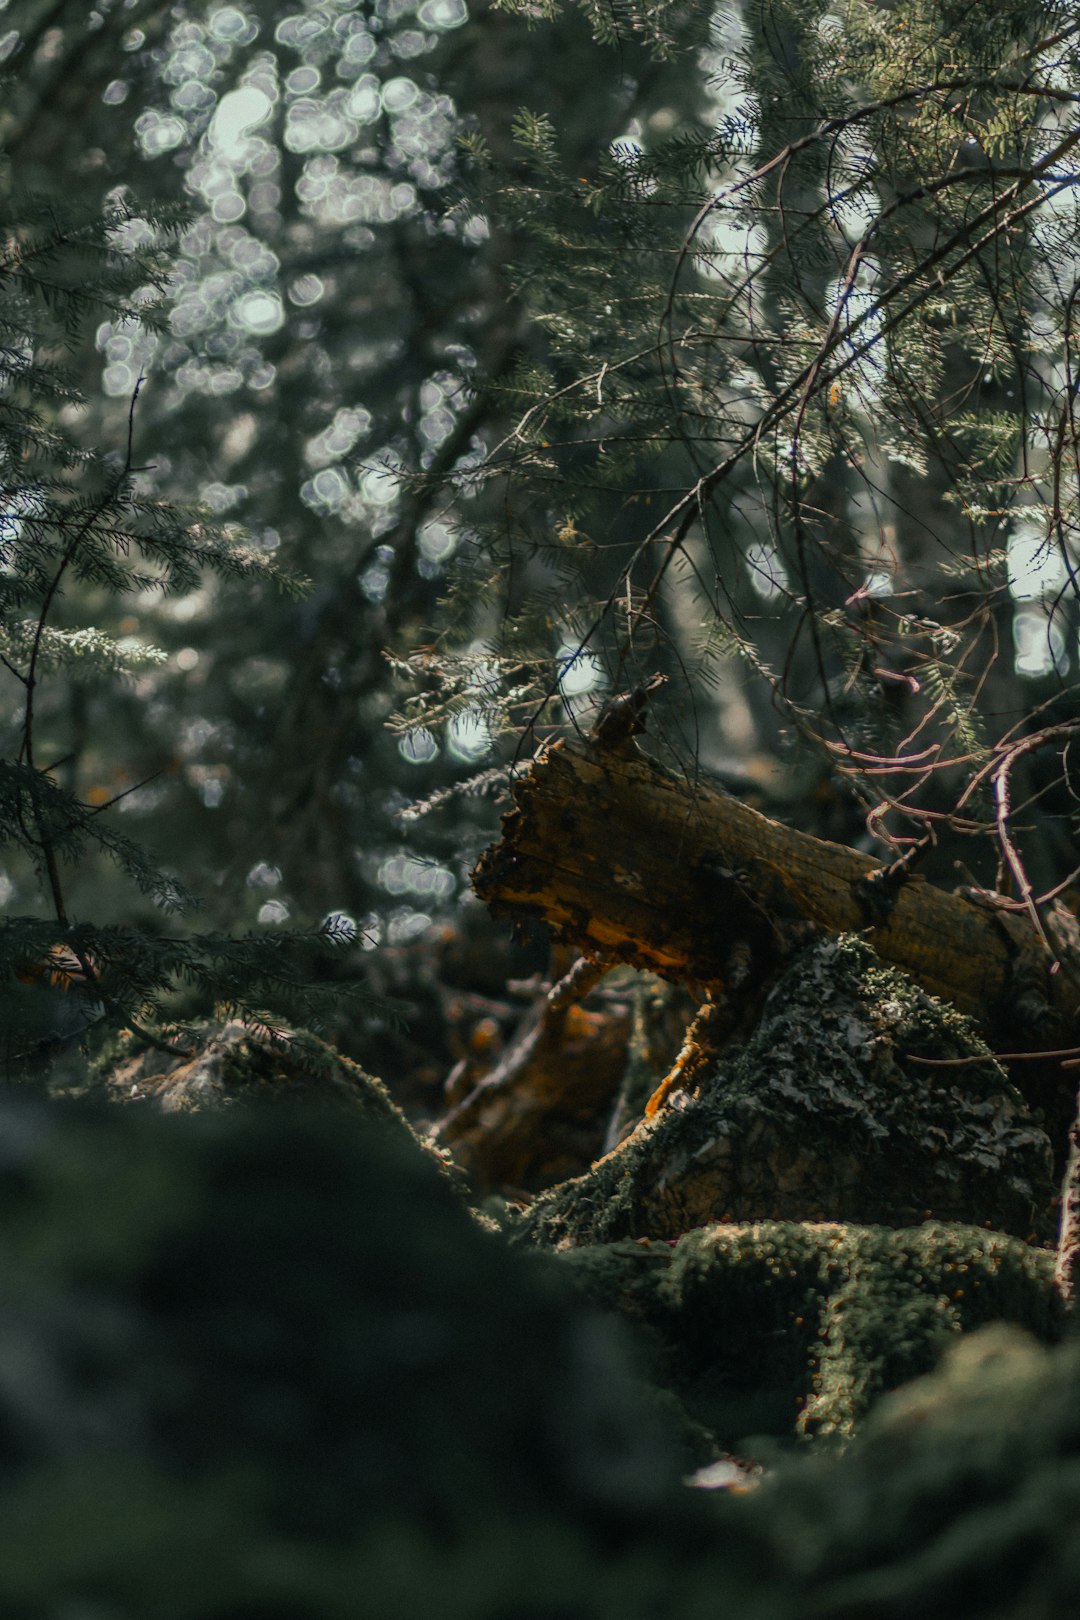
1067, 1271
633, 864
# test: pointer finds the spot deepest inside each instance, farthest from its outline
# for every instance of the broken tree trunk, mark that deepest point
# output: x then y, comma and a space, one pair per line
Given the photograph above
634, 864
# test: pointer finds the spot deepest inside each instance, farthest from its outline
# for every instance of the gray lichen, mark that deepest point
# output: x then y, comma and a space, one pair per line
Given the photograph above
223, 1066
223, 1063
828, 1113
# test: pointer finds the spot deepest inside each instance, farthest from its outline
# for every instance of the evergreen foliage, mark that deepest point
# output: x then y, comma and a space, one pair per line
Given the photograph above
76, 516
332, 314
801, 430
560, 345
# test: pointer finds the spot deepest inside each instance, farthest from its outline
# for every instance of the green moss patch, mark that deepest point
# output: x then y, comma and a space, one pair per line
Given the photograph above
961, 1501
782, 1329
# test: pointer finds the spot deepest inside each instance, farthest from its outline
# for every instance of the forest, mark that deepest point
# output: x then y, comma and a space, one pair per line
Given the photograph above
539, 809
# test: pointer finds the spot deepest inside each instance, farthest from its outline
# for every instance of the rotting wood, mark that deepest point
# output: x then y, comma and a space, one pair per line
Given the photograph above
539, 1115
631, 863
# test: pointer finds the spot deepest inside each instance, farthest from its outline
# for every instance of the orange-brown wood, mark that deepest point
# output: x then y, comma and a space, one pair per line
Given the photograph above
634, 864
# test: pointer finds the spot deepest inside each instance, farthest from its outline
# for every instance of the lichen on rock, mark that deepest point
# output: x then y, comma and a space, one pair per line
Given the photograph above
833, 1110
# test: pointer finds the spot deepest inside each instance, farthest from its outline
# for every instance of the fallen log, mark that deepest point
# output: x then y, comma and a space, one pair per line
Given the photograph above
631, 863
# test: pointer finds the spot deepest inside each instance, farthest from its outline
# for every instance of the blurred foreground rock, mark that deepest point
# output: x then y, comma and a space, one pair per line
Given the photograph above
264, 1363
267, 1363
961, 1501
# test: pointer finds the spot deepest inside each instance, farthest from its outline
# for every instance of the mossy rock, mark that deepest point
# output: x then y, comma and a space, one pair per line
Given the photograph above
961, 1501
262, 1363
829, 1113
797, 1330
220, 1064
230, 1065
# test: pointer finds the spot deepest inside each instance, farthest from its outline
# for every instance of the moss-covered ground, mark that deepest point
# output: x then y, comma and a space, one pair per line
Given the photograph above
796, 1329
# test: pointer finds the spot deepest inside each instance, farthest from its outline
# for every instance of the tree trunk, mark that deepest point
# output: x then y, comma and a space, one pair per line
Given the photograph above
633, 864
